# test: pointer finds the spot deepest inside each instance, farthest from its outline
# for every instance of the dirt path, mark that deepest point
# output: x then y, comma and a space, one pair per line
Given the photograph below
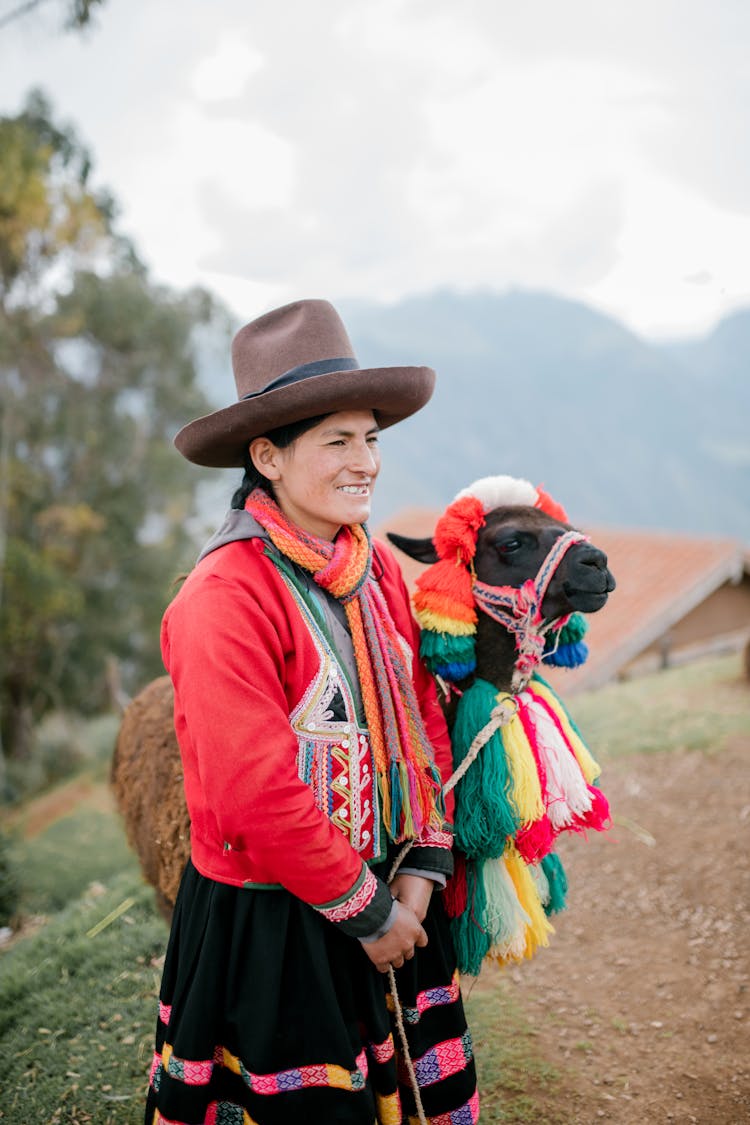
43, 811
642, 1000
647, 980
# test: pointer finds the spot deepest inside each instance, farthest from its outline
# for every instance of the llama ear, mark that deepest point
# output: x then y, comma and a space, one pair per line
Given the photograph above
423, 550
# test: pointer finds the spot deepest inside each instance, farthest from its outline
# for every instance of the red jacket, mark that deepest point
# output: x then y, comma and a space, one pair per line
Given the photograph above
278, 792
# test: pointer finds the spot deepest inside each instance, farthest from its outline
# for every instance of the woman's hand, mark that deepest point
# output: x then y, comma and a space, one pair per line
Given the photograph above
399, 943
413, 891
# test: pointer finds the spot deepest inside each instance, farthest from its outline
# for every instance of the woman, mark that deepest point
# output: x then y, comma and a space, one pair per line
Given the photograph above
312, 746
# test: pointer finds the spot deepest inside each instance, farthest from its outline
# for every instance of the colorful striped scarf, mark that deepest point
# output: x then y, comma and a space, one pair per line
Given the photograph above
408, 780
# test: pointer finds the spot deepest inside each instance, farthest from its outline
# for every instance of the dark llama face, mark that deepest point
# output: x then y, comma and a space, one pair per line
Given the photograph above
514, 543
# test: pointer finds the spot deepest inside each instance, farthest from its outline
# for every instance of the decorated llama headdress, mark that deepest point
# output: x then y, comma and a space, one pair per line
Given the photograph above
522, 773
446, 595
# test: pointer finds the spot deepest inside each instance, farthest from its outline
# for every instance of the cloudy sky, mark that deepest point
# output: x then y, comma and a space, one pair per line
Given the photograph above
271, 149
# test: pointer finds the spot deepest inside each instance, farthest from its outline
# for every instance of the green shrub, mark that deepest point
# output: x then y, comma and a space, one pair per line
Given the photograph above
63, 745
87, 846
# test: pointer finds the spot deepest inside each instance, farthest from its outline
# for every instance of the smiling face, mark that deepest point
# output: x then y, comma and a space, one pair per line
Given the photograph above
324, 479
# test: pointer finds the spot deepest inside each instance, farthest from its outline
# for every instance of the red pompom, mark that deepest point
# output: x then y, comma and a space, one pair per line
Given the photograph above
446, 588
546, 504
456, 532
598, 817
535, 840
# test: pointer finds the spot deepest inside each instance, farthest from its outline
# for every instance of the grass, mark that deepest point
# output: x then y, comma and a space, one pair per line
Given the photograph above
77, 1011
77, 996
697, 707
57, 866
510, 1070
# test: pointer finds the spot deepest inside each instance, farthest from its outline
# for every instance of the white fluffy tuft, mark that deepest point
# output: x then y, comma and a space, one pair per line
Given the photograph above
502, 491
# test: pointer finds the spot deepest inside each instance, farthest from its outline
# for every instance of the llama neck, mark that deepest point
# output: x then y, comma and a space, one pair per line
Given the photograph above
496, 653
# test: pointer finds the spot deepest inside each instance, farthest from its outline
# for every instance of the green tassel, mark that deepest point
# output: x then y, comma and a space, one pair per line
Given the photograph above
396, 800
485, 815
504, 919
541, 883
574, 630
558, 883
405, 789
437, 649
471, 941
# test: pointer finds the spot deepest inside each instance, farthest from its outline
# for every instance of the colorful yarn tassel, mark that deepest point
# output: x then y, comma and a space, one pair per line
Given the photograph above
505, 919
531, 780
444, 598
557, 883
486, 815
456, 896
565, 647
533, 776
470, 937
538, 929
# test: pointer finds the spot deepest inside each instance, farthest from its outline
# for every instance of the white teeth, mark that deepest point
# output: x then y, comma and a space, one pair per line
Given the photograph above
355, 489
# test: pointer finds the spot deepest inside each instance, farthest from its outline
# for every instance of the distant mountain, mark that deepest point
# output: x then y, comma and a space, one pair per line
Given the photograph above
623, 431
719, 365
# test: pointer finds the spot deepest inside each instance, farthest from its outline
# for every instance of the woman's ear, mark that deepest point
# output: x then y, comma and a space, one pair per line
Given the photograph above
265, 456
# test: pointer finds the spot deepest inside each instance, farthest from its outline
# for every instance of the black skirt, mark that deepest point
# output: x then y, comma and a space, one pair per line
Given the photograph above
269, 1015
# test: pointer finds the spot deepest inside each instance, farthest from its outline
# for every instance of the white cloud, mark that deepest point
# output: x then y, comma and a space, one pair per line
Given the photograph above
224, 74
359, 149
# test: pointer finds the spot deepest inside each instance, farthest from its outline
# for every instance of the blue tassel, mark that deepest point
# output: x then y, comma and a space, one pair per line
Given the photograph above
568, 656
454, 672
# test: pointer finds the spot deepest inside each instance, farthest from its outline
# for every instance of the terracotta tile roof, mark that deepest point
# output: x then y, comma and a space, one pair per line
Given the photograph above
660, 576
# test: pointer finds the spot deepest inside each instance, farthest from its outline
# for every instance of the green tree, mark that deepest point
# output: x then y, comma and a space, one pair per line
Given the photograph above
78, 13
97, 371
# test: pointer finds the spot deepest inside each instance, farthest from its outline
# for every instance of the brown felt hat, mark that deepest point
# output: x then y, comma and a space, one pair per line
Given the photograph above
294, 363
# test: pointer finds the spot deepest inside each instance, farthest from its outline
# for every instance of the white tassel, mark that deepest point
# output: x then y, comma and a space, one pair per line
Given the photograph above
501, 492
505, 919
567, 795
541, 882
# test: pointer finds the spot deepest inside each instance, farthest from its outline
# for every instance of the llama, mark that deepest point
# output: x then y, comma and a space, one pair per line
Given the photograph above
507, 532
508, 581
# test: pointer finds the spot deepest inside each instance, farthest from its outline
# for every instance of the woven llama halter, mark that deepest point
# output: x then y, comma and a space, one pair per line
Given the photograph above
519, 609
449, 593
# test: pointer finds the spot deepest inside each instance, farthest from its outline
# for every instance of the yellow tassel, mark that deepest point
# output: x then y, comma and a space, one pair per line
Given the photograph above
439, 623
539, 929
589, 767
527, 789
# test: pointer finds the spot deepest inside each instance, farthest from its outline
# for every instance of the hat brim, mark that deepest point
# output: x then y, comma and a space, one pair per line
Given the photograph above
219, 440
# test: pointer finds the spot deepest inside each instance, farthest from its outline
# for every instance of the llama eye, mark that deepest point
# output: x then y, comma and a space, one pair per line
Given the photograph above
508, 546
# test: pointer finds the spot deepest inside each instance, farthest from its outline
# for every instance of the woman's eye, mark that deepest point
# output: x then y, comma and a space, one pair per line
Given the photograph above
373, 440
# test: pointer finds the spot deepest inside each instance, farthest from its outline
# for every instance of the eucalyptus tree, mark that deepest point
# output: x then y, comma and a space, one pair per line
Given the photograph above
97, 371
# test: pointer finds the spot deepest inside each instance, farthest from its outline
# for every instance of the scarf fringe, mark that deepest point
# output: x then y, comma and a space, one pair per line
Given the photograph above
407, 779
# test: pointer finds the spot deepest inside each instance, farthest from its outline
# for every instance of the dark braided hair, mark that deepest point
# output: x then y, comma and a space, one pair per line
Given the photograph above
282, 437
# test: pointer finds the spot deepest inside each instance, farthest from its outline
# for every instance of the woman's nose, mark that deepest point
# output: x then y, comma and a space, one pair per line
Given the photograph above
365, 458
